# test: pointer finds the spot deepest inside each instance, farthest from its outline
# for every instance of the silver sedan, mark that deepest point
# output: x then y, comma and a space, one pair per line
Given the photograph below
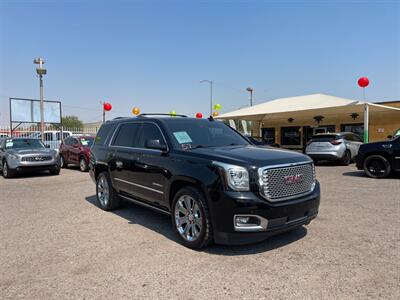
18, 155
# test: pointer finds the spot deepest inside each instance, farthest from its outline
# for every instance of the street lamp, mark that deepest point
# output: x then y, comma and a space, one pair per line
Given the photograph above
40, 70
211, 92
250, 90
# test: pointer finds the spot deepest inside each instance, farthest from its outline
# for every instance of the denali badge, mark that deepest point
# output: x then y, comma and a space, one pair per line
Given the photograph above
291, 179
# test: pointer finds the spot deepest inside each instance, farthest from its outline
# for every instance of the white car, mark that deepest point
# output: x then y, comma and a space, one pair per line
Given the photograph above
342, 147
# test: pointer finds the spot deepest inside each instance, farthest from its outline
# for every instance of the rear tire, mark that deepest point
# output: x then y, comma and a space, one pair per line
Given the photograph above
377, 166
191, 218
107, 197
346, 159
7, 173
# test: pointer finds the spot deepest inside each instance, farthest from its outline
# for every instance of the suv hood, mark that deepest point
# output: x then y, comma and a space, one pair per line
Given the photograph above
30, 151
249, 154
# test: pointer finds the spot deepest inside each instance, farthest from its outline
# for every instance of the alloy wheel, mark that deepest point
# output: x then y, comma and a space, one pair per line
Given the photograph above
103, 191
376, 167
188, 218
82, 165
5, 169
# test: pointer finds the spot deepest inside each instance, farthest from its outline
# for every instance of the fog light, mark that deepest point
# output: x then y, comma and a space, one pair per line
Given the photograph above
250, 223
242, 220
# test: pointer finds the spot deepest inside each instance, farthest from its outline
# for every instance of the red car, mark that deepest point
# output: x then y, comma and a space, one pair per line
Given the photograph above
76, 150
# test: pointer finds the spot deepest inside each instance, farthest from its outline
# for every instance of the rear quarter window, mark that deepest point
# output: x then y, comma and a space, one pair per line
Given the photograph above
103, 134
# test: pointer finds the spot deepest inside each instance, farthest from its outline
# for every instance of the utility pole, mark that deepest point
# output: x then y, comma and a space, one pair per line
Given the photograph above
40, 70
250, 90
211, 94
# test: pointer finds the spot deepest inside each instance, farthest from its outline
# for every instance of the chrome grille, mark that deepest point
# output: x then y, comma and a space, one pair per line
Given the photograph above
286, 181
37, 158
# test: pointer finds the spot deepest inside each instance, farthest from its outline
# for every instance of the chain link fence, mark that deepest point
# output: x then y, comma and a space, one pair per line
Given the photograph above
52, 136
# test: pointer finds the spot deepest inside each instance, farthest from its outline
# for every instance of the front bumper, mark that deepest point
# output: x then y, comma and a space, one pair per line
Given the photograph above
21, 166
282, 217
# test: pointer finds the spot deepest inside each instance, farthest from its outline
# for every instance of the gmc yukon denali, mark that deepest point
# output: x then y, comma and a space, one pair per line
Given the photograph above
215, 185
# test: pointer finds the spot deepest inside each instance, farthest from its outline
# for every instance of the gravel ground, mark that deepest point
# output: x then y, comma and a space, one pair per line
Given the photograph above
56, 243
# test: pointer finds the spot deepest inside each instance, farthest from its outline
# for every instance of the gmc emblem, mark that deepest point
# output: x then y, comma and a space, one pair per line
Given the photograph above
292, 179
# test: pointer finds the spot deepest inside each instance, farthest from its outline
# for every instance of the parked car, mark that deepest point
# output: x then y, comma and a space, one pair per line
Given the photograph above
18, 155
3, 135
396, 134
76, 150
52, 138
215, 185
342, 147
380, 159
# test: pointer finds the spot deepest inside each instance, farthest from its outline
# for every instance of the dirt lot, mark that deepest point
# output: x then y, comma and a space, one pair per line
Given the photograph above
56, 243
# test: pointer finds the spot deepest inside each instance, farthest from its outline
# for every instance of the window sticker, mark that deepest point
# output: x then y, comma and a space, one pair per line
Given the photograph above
84, 142
182, 137
9, 144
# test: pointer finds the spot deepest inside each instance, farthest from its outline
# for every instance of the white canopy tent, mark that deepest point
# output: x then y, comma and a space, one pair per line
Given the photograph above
307, 106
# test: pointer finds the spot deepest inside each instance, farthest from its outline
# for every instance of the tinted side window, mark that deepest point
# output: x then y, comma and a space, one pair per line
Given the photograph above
48, 136
150, 132
127, 135
67, 141
103, 133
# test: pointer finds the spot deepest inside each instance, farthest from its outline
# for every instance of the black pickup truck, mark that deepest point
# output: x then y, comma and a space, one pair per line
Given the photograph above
380, 159
215, 185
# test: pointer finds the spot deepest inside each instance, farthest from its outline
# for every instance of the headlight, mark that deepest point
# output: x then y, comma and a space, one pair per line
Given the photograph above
236, 177
13, 156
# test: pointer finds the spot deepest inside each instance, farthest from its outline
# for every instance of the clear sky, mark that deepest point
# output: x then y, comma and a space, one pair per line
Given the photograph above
152, 54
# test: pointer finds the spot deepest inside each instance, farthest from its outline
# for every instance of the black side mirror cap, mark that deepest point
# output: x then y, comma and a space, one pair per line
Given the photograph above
155, 144
47, 146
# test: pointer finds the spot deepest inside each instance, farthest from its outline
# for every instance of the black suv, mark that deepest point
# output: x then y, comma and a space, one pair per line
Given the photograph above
379, 159
214, 184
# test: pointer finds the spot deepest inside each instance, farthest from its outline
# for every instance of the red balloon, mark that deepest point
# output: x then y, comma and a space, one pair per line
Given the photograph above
363, 82
199, 115
107, 106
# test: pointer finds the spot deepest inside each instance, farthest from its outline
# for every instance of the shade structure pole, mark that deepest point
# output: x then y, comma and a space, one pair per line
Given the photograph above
366, 122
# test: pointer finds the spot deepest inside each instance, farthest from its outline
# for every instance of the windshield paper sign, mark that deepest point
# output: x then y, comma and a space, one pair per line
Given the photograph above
182, 137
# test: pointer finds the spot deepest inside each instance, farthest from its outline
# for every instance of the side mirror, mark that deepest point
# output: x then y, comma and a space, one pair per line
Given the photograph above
155, 144
47, 146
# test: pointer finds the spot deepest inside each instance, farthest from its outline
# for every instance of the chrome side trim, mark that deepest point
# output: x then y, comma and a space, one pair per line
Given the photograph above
139, 185
262, 227
145, 205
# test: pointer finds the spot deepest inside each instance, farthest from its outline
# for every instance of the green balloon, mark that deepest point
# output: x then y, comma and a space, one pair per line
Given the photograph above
217, 106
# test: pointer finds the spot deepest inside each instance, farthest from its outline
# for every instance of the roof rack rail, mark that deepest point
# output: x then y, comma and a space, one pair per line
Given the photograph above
161, 114
118, 118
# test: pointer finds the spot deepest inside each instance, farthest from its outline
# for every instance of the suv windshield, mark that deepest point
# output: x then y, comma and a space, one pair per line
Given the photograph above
24, 143
189, 134
86, 141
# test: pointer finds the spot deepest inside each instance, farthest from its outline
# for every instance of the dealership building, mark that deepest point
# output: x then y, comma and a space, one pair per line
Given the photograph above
291, 122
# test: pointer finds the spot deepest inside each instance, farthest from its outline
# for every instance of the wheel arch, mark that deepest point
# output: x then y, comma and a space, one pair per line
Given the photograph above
180, 182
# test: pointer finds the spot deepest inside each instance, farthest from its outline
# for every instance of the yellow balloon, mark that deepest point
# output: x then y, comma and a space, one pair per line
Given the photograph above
136, 111
172, 113
215, 114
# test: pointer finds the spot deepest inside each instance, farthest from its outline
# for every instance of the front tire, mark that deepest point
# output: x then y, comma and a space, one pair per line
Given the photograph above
7, 173
83, 165
377, 166
63, 163
107, 197
191, 218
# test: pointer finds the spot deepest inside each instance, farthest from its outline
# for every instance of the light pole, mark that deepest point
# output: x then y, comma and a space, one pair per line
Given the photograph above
40, 70
250, 90
211, 95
